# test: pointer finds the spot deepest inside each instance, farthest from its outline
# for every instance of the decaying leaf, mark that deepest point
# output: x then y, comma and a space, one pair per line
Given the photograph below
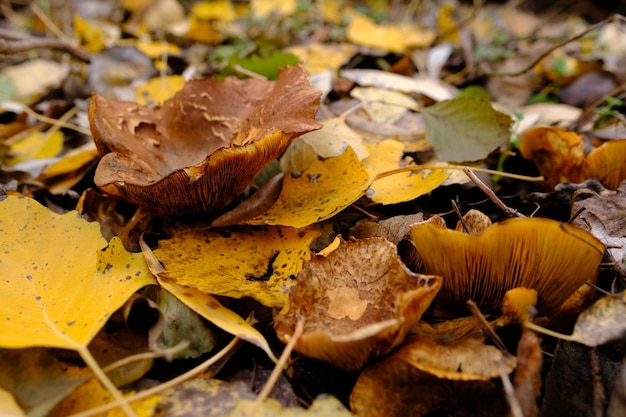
551, 257
205, 145
447, 353
394, 388
358, 303
36, 379
61, 281
466, 129
318, 193
602, 322
257, 262
216, 398
604, 217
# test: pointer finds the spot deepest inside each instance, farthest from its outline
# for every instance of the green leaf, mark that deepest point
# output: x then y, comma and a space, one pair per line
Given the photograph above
267, 66
465, 129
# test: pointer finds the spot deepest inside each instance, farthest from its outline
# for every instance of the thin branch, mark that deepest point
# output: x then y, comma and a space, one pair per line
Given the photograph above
590, 29
492, 196
12, 44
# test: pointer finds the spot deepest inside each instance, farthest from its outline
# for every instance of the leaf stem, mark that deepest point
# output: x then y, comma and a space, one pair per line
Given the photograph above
85, 354
161, 387
412, 168
539, 329
278, 369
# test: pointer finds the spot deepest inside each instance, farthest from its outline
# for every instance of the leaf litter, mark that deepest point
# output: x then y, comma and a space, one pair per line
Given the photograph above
226, 244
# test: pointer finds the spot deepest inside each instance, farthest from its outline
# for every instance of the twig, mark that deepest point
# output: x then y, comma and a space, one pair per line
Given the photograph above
590, 29
457, 210
492, 333
278, 369
412, 168
509, 391
161, 387
13, 43
492, 196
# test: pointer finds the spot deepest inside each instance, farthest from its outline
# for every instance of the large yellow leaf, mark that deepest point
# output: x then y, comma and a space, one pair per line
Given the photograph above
253, 262
320, 192
59, 279
398, 188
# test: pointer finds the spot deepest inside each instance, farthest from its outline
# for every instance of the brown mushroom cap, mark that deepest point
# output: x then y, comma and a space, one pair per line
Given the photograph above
205, 145
550, 257
608, 163
358, 303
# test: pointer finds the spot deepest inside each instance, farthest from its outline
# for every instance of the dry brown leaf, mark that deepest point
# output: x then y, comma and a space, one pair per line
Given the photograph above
394, 388
205, 145
551, 257
358, 303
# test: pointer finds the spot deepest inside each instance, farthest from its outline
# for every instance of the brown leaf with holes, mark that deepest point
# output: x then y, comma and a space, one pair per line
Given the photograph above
358, 303
205, 145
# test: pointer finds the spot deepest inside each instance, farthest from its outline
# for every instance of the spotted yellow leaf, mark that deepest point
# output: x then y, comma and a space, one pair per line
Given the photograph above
318, 193
257, 262
59, 279
401, 187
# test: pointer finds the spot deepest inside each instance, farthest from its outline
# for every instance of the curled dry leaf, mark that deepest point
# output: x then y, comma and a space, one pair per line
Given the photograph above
358, 303
550, 257
205, 145
394, 388
454, 350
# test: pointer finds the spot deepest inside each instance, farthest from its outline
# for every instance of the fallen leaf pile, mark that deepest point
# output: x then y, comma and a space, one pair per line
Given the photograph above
225, 208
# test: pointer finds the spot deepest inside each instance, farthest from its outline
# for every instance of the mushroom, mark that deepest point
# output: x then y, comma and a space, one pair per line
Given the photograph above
358, 303
608, 163
205, 145
550, 257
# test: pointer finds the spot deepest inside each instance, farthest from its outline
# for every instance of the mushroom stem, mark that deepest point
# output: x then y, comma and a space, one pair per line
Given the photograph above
539, 329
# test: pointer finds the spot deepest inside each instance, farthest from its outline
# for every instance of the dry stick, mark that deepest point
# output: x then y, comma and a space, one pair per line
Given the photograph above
278, 369
161, 387
494, 336
412, 168
457, 210
14, 43
492, 196
590, 29
509, 391
589, 110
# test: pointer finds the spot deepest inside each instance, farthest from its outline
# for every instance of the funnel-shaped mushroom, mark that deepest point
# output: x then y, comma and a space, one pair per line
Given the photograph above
550, 257
358, 303
205, 145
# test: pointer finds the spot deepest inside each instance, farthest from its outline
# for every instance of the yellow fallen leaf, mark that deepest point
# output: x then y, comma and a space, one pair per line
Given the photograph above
397, 188
36, 145
69, 170
318, 193
155, 49
159, 89
252, 262
61, 280
214, 10
91, 395
265, 8
331, 140
363, 31
90, 35
318, 57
